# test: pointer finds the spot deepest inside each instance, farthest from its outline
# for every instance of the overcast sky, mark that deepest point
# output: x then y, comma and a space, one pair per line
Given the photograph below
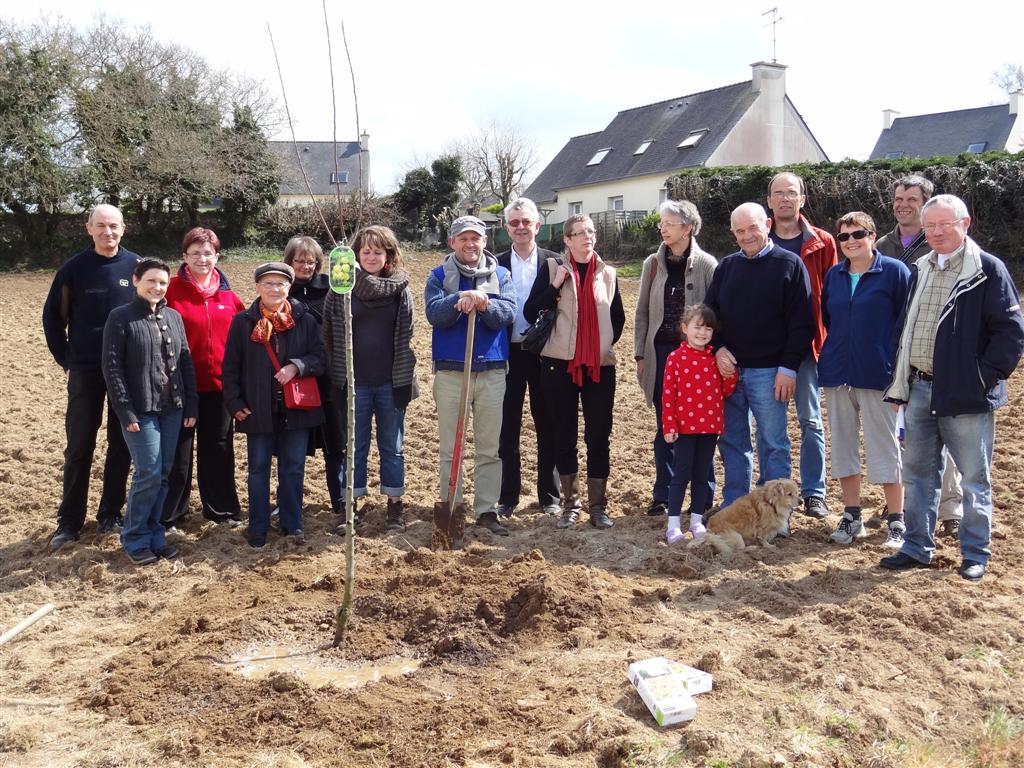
428, 73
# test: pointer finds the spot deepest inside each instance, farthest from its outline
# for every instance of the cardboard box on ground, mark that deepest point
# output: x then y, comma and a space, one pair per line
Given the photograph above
668, 688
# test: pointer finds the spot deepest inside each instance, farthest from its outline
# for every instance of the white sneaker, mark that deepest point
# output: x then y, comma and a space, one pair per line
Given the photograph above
673, 535
894, 538
849, 528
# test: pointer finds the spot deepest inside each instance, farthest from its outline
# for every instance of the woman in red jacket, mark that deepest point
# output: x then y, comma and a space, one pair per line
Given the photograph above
201, 295
692, 406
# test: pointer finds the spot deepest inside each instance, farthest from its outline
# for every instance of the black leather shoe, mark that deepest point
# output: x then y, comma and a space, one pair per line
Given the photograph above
142, 557
61, 537
505, 510
489, 520
657, 508
971, 570
901, 562
109, 523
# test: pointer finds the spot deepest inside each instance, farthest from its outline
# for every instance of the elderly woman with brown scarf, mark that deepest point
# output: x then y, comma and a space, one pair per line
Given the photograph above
675, 277
577, 363
269, 344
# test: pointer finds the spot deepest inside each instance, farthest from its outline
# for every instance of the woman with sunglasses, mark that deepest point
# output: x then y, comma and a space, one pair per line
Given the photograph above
861, 301
577, 363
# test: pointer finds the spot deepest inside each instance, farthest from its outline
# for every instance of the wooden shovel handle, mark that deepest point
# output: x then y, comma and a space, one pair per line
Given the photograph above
460, 425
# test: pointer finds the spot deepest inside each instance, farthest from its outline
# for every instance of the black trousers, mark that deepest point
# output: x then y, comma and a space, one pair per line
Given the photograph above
523, 374
563, 399
87, 394
213, 436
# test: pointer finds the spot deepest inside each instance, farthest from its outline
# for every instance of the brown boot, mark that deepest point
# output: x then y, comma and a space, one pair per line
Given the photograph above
597, 500
570, 501
393, 521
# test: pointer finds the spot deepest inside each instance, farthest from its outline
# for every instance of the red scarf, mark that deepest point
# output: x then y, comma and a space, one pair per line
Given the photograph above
588, 334
272, 322
212, 285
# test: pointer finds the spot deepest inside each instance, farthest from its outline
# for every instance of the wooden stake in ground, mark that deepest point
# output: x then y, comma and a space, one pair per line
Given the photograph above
343, 278
18, 629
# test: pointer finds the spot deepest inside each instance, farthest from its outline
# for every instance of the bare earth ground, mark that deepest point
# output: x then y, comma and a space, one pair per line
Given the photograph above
819, 657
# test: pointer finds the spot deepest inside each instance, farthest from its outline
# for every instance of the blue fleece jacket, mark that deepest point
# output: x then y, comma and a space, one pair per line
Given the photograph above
862, 326
490, 340
83, 292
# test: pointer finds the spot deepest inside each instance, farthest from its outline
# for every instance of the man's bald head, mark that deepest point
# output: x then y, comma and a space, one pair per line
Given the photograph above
749, 225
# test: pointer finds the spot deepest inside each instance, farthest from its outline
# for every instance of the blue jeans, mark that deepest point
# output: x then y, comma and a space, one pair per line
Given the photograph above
290, 447
754, 398
377, 403
664, 452
812, 433
152, 449
969, 439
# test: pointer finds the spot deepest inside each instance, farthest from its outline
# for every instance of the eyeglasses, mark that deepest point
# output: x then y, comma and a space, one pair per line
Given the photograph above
780, 194
587, 232
669, 224
857, 234
274, 286
517, 223
941, 226
304, 262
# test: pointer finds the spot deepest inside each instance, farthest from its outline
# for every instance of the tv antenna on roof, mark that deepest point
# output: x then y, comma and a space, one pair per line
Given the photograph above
773, 23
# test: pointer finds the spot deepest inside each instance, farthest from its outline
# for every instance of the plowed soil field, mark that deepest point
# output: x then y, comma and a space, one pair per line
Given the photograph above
819, 657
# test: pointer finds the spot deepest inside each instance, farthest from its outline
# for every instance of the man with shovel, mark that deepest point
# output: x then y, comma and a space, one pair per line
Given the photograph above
469, 298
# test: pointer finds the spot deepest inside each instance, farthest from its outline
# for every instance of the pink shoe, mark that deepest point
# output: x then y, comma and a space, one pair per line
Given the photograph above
673, 535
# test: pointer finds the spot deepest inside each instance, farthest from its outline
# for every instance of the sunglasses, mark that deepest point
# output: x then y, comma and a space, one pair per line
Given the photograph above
857, 234
516, 223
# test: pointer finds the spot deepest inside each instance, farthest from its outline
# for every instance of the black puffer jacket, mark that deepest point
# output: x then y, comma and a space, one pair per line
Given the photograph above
146, 362
248, 374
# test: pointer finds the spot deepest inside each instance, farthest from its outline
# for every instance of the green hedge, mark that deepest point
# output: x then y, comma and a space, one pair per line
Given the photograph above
992, 185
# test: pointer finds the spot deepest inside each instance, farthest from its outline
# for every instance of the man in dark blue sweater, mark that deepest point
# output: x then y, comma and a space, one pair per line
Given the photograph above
762, 298
84, 290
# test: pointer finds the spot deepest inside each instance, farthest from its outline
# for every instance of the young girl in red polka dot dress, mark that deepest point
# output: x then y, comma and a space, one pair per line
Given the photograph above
693, 401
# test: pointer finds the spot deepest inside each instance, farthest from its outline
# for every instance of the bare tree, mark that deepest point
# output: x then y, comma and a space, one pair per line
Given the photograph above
1010, 77
499, 156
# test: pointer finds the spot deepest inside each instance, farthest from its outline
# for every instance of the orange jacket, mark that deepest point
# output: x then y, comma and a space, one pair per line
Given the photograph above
818, 253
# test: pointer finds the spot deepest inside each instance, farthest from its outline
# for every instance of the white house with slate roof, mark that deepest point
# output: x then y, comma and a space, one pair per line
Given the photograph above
318, 164
625, 166
983, 129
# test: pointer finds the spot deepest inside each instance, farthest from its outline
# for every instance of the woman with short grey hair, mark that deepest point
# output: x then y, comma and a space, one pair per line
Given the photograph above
673, 278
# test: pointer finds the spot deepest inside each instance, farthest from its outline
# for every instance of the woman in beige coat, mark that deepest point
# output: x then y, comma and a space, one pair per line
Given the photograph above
675, 277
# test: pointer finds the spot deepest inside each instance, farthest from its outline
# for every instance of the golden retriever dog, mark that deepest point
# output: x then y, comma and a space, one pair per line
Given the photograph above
756, 518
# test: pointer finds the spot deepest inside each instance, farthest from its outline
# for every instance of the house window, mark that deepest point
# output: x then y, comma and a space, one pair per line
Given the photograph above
977, 148
575, 208
693, 139
643, 147
616, 204
662, 196
893, 155
600, 155
339, 178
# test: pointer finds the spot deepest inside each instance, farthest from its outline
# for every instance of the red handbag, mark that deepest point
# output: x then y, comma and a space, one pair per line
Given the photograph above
301, 393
